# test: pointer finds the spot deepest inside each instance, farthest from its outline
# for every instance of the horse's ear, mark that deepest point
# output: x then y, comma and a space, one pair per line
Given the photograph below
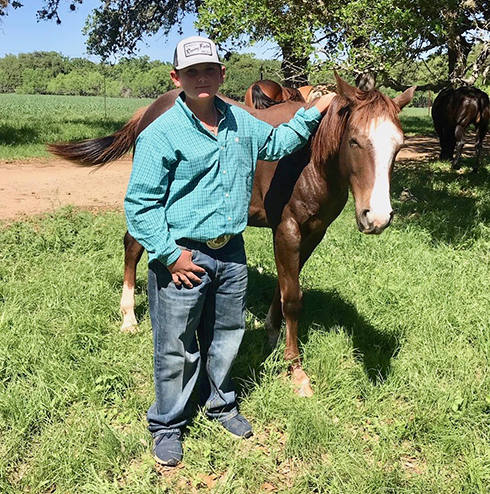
403, 99
345, 89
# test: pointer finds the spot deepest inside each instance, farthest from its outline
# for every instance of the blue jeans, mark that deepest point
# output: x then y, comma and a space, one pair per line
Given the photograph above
197, 331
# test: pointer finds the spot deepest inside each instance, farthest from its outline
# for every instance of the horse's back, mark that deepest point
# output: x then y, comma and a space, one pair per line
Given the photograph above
464, 105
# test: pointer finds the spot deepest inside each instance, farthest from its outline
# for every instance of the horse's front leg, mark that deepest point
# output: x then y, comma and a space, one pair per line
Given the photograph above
133, 251
287, 244
292, 251
274, 318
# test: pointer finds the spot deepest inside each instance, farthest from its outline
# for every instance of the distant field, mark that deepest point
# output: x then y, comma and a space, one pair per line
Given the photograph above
28, 122
417, 121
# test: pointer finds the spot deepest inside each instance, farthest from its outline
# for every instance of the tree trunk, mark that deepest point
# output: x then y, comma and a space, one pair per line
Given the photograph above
294, 67
458, 50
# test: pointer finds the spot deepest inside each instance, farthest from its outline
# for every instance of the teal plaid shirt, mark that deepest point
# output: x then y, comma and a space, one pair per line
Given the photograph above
188, 183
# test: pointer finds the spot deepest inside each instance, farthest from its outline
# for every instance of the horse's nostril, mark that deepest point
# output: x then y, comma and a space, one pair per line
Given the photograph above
364, 213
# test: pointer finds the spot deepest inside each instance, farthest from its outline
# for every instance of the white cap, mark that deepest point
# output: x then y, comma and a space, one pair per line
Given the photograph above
193, 50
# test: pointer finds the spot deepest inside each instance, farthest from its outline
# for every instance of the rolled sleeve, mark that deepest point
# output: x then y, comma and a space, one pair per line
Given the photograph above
288, 137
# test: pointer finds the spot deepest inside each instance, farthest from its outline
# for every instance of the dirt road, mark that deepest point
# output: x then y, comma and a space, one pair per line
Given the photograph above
37, 186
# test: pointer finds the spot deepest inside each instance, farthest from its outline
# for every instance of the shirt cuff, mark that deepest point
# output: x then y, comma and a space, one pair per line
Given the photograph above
171, 258
314, 113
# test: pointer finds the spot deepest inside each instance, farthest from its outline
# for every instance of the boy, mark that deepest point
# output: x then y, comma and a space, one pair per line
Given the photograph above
187, 204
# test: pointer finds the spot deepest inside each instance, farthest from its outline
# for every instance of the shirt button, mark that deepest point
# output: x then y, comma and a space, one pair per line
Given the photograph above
229, 218
224, 172
227, 195
222, 147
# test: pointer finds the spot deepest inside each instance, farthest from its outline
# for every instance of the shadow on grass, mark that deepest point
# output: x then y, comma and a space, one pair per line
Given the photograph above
14, 136
449, 205
11, 135
320, 309
141, 309
417, 124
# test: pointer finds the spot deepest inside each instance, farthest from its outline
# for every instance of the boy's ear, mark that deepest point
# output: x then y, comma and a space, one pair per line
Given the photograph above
223, 72
175, 77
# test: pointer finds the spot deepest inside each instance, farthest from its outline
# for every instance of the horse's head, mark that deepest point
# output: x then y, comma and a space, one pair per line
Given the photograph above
369, 138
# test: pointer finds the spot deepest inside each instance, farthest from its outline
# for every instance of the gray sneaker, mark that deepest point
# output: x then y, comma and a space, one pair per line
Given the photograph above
238, 426
167, 448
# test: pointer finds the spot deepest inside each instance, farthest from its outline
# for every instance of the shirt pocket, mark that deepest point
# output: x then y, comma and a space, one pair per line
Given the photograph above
242, 152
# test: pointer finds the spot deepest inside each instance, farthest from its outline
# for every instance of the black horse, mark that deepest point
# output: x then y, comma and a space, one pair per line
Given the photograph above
453, 111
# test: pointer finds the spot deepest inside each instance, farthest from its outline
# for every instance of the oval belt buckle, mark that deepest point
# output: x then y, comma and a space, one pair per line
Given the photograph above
217, 243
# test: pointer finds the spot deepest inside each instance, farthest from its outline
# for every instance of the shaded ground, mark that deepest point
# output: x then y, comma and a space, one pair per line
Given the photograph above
34, 187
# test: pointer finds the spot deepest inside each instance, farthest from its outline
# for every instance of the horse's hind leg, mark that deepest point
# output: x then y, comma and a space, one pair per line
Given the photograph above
481, 132
274, 318
459, 137
132, 254
448, 142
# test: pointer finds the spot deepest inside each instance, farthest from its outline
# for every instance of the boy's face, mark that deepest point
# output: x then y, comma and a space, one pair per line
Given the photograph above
199, 81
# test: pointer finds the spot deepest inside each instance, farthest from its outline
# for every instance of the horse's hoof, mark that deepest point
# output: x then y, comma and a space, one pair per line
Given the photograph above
129, 325
301, 382
129, 329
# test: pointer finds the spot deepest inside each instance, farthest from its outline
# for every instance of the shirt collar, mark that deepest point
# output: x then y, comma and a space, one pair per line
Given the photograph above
221, 106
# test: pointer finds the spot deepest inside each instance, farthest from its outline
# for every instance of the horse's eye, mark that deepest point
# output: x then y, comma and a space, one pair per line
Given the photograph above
353, 142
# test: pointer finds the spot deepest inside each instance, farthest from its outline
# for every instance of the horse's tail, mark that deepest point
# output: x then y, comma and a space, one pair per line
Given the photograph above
101, 150
260, 100
483, 115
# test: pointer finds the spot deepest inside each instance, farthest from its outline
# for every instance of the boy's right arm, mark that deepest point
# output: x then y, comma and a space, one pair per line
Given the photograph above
145, 211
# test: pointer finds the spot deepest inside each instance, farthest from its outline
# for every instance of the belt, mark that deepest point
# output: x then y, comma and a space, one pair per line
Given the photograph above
219, 242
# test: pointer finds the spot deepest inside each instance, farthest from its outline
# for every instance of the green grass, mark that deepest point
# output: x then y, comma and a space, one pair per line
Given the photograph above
394, 334
28, 122
417, 121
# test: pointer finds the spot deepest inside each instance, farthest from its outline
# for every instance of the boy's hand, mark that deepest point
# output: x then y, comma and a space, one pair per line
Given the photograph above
183, 270
324, 102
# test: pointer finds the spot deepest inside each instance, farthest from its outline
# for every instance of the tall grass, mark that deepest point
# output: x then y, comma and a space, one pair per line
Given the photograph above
394, 334
28, 122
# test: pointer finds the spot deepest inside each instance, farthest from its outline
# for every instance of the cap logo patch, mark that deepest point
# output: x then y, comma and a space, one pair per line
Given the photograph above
197, 48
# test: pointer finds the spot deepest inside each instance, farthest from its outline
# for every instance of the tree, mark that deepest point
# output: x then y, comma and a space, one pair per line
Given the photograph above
378, 36
242, 70
361, 36
288, 23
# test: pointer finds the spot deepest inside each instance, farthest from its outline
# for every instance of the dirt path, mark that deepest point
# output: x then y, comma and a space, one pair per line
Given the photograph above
34, 187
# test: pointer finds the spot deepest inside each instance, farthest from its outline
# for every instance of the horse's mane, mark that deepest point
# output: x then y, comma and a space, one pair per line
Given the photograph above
367, 106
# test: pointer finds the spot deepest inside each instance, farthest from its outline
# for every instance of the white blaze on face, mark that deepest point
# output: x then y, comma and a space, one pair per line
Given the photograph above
385, 138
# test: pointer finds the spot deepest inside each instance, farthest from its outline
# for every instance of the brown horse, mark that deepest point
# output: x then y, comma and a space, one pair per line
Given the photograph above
298, 197
265, 93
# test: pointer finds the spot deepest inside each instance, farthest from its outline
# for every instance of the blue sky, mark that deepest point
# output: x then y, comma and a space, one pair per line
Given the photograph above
21, 33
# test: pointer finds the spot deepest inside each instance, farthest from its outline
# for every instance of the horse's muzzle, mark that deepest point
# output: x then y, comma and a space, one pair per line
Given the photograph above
373, 225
